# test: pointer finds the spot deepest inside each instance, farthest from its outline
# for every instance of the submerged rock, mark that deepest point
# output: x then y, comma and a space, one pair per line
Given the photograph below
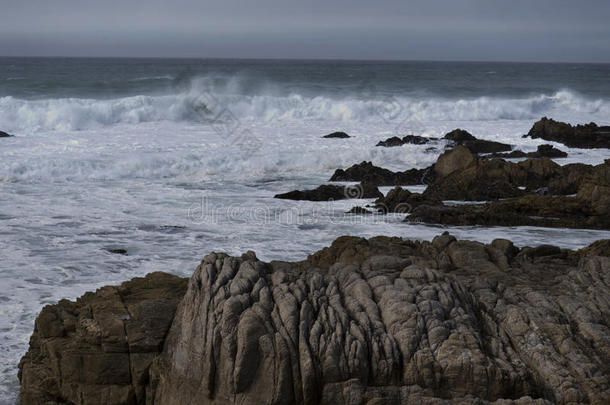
579, 136
378, 321
368, 173
337, 135
329, 192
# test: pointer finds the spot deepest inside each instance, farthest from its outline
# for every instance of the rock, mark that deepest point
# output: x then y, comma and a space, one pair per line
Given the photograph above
337, 135
461, 137
458, 158
368, 173
543, 151
118, 251
399, 200
359, 210
579, 136
329, 192
4, 135
378, 321
98, 349
409, 139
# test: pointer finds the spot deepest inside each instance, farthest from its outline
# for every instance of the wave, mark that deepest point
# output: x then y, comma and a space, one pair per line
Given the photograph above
201, 101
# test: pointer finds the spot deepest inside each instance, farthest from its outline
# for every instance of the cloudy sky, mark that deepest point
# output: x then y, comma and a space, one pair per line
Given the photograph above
515, 30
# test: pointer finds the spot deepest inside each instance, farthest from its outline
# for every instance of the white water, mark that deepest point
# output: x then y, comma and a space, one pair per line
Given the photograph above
164, 180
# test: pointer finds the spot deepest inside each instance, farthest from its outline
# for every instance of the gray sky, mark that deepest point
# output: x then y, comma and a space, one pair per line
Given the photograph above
515, 30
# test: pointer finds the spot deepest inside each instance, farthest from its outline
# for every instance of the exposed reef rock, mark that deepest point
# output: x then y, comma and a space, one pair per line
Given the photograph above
5, 135
98, 349
462, 137
328, 192
400, 200
368, 173
383, 321
409, 139
340, 135
543, 151
579, 136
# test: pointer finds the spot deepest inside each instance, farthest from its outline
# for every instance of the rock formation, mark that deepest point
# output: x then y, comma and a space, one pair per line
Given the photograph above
340, 135
368, 173
381, 321
4, 135
98, 349
579, 136
543, 151
409, 139
329, 192
464, 138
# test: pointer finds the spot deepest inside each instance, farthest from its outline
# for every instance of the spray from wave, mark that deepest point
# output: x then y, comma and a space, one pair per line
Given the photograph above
205, 99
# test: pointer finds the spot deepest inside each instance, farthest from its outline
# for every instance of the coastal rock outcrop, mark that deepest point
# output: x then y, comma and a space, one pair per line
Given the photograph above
542, 151
475, 145
579, 136
4, 135
368, 173
382, 321
338, 134
98, 349
329, 192
409, 139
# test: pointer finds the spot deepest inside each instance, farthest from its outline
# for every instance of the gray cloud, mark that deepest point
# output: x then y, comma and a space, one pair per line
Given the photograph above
539, 30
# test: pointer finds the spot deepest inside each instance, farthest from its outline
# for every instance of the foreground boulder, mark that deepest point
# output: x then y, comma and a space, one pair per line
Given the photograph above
381, 321
97, 350
579, 136
368, 173
330, 192
340, 135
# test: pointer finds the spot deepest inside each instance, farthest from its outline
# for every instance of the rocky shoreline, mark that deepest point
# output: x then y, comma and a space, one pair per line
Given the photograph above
377, 321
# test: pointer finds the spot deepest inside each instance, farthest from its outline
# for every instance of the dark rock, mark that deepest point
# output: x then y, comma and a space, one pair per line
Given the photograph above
98, 349
118, 251
340, 135
359, 210
409, 139
462, 137
378, 321
368, 173
543, 151
399, 200
330, 192
579, 136
4, 135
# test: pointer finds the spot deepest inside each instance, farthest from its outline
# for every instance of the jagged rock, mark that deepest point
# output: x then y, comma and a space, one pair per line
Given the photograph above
579, 136
368, 173
97, 350
462, 137
359, 210
543, 151
4, 135
380, 321
400, 200
340, 135
328, 192
409, 139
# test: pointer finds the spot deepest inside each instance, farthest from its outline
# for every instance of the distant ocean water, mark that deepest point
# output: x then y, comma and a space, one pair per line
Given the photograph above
170, 159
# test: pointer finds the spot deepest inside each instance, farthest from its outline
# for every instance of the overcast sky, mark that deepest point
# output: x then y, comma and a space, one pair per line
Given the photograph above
506, 30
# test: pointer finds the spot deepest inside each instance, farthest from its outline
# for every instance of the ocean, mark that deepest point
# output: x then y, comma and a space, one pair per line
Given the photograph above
170, 159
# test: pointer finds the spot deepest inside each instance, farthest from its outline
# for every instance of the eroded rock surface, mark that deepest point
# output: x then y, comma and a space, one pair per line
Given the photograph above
409, 139
579, 136
97, 350
368, 173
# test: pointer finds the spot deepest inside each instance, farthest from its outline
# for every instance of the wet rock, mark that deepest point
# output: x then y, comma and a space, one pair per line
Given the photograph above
359, 210
579, 136
97, 349
118, 251
368, 173
4, 135
340, 135
400, 200
409, 139
462, 137
364, 321
330, 192
543, 151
